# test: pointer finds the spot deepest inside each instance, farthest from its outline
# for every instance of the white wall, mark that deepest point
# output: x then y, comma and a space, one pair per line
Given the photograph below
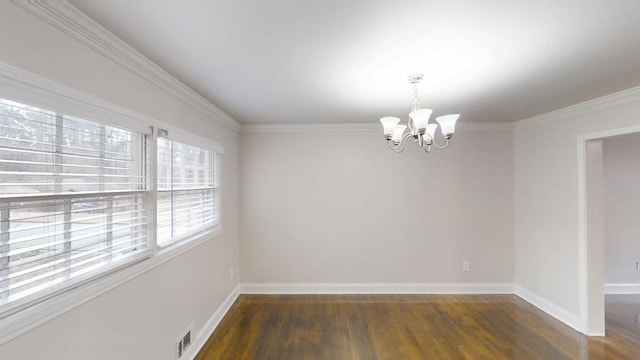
622, 208
546, 194
339, 207
142, 318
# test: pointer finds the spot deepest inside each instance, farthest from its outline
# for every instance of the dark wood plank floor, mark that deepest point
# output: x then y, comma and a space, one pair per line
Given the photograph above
623, 316
401, 327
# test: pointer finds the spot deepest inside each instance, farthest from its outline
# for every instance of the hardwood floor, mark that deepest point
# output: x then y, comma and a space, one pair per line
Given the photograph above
401, 327
623, 316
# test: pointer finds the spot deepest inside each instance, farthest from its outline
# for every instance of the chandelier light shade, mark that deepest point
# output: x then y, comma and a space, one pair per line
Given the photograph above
389, 124
396, 138
420, 118
418, 126
448, 124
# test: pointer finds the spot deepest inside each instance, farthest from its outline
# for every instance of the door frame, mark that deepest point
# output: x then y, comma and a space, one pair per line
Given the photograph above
592, 321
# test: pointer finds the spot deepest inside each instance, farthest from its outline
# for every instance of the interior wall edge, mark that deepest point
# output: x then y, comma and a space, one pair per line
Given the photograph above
357, 127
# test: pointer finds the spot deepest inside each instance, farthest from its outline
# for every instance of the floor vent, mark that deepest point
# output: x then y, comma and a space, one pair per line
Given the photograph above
183, 344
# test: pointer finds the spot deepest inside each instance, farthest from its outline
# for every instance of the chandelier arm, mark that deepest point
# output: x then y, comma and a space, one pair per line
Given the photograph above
446, 144
425, 139
403, 142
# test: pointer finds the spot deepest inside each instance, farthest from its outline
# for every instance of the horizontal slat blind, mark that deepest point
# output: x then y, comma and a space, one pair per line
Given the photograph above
187, 191
73, 201
45, 152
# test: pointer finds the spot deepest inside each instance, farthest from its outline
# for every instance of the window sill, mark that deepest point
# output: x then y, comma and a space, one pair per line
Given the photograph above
21, 322
193, 237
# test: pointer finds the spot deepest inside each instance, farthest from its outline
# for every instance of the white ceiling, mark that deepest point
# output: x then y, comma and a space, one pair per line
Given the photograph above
346, 61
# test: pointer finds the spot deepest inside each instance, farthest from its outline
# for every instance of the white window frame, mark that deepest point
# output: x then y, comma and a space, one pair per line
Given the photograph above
27, 88
66, 277
217, 159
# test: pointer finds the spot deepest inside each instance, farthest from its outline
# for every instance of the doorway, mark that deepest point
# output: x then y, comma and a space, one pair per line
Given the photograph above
621, 169
602, 174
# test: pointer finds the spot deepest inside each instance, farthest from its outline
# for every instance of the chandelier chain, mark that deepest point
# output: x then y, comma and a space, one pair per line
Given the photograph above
416, 98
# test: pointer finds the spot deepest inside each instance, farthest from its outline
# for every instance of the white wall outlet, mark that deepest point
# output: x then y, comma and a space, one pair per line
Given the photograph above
637, 265
466, 265
231, 273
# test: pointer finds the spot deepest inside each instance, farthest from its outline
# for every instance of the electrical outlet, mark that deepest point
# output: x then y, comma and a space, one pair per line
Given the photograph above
637, 265
231, 273
466, 265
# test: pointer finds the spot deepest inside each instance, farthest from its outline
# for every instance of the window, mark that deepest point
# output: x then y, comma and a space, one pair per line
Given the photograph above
187, 191
73, 202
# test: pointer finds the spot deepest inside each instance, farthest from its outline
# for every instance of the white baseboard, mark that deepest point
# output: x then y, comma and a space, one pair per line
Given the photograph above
622, 288
374, 288
549, 308
211, 324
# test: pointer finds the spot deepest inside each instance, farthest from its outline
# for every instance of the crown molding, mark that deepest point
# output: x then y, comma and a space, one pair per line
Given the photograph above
312, 128
488, 126
73, 22
617, 98
59, 97
355, 127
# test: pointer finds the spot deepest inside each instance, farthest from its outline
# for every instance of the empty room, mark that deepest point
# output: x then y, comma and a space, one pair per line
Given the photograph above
319, 179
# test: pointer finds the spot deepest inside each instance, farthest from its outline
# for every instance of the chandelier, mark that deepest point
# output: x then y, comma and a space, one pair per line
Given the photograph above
418, 126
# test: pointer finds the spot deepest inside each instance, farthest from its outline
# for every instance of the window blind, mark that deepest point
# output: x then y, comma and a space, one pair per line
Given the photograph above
73, 201
187, 191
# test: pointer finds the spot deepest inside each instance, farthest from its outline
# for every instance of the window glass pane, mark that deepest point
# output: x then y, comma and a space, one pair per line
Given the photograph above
44, 152
193, 210
26, 127
164, 164
50, 241
165, 224
187, 191
72, 201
